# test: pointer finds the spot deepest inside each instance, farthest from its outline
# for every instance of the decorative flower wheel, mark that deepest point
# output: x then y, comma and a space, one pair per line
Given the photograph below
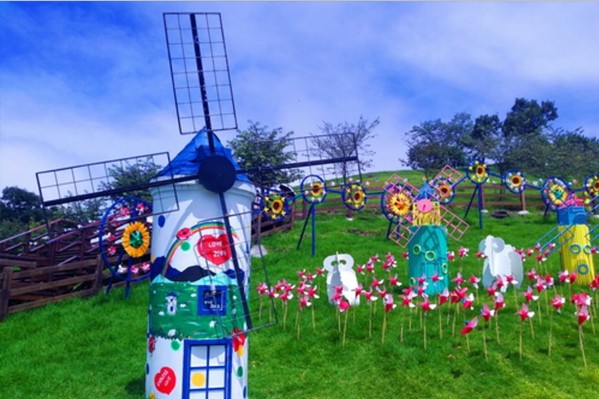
396, 203
555, 192
313, 189
124, 239
515, 181
591, 184
353, 196
274, 206
443, 190
477, 172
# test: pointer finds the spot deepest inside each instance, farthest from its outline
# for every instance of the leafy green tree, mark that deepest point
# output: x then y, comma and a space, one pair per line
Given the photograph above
484, 138
131, 175
345, 140
573, 155
434, 144
524, 144
19, 210
258, 148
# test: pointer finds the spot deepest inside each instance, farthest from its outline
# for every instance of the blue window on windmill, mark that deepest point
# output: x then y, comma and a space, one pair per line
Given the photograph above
212, 300
207, 369
571, 215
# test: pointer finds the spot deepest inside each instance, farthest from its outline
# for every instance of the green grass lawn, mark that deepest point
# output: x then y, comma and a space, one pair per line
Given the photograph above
95, 347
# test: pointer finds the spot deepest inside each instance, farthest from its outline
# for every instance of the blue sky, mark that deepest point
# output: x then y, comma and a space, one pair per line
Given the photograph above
88, 82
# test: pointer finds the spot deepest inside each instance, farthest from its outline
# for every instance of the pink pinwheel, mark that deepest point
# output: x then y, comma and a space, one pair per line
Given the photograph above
443, 296
426, 305
511, 280
337, 297
458, 280
319, 271
369, 296
370, 266
406, 298
421, 289
406, 255
470, 325
140, 208
594, 250
566, 277
111, 237
541, 258
581, 299
272, 293
558, 302
302, 287
486, 312
529, 295
389, 303
343, 306
499, 302
549, 282
313, 292
435, 277
525, 313
595, 283
134, 269
492, 290
450, 255
301, 273
360, 269
375, 258
458, 294
262, 288
473, 280
530, 252
394, 281
468, 302
421, 280
146, 266
583, 315
309, 277
463, 252
376, 283
480, 254
111, 250
499, 282
382, 293
532, 274
540, 284
537, 247
305, 302
358, 290
390, 260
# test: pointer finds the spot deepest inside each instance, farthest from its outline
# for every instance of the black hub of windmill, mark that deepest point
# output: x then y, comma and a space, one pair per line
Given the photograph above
217, 174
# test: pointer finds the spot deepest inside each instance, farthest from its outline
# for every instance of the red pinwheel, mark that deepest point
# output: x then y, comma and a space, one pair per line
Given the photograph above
558, 302
343, 306
583, 315
369, 296
473, 280
470, 325
435, 277
581, 299
486, 312
499, 302
595, 283
443, 296
450, 255
492, 290
532, 274
529, 295
394, 281
463, 252
458, 280
426, 305
525, 313
468, 302
376, 283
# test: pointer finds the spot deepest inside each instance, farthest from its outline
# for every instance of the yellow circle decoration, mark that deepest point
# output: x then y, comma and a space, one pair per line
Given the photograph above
399, 204
198, 379
355, 197
136, 239
478, 172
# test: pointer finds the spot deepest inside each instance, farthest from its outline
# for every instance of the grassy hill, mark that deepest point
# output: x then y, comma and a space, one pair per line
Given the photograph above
95, 347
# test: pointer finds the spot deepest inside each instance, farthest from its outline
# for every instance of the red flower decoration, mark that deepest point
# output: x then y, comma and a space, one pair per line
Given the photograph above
184, 233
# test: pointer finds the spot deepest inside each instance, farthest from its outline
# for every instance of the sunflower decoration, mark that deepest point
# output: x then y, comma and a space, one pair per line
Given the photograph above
313, 189
555, 192
136, 239
443, 190
478, 172
591, 184
354, 196
514, 181
399, 204
274, 206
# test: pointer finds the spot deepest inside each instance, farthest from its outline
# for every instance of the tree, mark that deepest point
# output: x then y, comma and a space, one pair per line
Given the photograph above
131, 175
434, 144
345, 140
19, 210
524, 144
258, 149
573, 155
482, 141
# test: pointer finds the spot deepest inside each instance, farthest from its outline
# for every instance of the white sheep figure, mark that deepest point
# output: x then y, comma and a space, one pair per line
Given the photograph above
340, 272
500, 260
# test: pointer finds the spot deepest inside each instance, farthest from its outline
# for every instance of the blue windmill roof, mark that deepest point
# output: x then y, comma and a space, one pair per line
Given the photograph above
189, 160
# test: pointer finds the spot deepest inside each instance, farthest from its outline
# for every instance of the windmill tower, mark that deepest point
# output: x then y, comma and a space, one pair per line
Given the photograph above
423, 224
572, 236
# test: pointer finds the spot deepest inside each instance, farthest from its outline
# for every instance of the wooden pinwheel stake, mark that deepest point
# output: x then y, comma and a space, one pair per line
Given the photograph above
524, 314
557, 302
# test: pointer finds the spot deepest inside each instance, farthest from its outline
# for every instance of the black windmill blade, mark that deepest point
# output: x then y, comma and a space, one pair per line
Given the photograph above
96, 181
204, 101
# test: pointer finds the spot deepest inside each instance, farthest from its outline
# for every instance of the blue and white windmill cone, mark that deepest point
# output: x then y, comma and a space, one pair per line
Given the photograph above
196, 347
